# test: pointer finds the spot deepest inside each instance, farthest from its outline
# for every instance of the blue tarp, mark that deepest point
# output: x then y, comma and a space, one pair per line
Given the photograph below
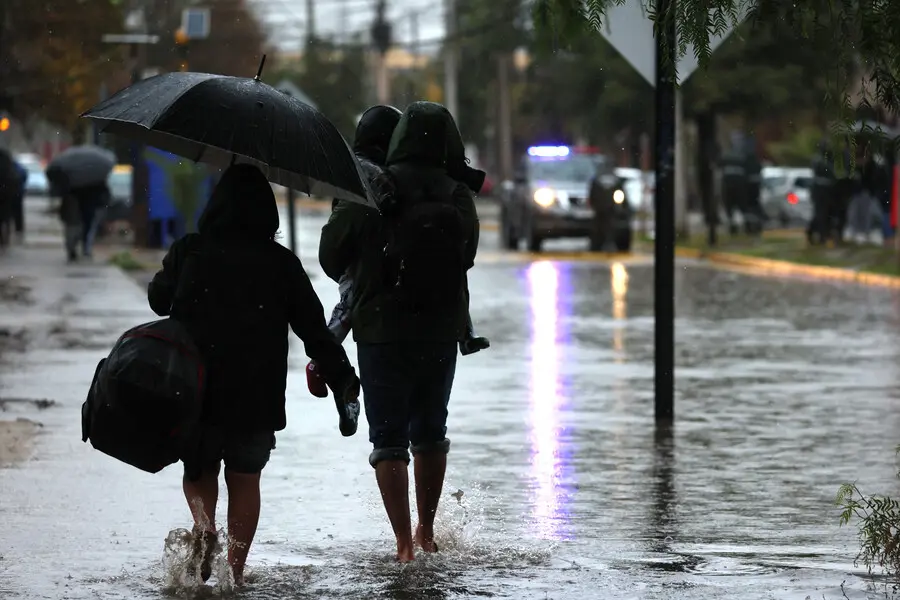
160, 205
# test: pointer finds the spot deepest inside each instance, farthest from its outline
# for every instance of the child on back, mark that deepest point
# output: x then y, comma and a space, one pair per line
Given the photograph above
339, 324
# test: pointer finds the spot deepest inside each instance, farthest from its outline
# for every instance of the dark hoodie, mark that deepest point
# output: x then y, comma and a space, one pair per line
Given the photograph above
433, 121
354, 237
237, 291
370, 144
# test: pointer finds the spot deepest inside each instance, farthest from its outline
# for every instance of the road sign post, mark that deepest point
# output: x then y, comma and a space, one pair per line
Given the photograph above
630, 31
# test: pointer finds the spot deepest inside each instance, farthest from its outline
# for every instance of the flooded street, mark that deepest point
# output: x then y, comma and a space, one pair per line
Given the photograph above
558, 484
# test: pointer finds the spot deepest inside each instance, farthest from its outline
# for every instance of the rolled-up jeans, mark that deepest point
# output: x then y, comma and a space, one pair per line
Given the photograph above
406, 391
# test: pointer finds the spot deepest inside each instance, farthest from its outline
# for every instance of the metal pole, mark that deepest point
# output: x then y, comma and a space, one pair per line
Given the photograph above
504, 118
664, 270
450, 60
292, 220
292, 213
310, 19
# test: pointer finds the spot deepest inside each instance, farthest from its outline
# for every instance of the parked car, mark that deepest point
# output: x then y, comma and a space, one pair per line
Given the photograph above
36, 184
785, 195
119, 182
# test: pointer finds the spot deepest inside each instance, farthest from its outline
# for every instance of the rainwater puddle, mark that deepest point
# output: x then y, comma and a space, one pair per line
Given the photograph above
784, 390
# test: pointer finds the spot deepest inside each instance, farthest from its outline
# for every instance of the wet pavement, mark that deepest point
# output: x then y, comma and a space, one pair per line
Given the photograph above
785, 389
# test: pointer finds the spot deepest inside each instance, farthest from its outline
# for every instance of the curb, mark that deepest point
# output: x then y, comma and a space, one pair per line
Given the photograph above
783, 267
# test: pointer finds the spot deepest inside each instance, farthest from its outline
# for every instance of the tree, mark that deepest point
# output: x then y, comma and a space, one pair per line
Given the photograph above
58, 61
596, 93
862, 36
235, 44
485, 30
334, 77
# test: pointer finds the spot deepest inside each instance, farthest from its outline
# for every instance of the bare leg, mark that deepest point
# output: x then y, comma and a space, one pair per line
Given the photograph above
429, 474
243, 517
202, 496
393, 481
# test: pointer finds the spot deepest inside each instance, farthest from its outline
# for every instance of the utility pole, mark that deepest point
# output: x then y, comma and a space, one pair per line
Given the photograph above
310, 20
504, 118
381, 36
414, 50
664, 251
290, 192
451, 60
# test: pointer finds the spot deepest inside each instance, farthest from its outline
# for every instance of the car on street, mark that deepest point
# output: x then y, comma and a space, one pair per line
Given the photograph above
786, 195
549, 197
119, 183
36, 184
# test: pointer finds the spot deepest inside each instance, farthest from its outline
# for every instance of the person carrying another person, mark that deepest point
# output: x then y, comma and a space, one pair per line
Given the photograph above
409, 310
373, 136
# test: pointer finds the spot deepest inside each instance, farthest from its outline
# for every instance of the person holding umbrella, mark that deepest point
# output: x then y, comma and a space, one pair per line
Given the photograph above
236, 289
80, 174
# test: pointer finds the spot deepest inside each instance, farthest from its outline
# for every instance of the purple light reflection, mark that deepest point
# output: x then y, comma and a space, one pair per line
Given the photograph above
549, 462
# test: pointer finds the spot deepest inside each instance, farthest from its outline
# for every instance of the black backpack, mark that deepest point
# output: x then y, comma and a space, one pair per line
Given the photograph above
426, 245
146, 397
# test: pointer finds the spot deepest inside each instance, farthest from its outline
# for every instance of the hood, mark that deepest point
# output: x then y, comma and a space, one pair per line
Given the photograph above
242, 205
428, 135
373, 132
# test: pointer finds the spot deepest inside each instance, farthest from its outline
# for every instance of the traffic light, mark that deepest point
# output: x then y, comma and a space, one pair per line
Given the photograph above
4, 123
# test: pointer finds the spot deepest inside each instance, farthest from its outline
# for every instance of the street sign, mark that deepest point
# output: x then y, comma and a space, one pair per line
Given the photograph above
630, 31
195, 23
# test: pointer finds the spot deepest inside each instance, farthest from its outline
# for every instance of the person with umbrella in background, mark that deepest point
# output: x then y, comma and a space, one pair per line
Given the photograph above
233, 286
80, 173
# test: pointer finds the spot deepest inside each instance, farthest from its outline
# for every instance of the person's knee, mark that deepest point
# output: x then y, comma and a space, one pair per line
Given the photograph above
391, 453
425, 448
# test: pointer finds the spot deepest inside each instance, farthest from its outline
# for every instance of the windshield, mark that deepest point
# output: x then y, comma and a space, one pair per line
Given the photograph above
572, 168
774, 182
803, 182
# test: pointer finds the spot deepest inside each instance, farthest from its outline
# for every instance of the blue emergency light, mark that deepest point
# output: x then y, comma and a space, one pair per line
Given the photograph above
548, 151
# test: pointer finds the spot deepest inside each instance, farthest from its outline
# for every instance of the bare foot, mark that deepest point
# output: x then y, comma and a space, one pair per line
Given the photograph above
425, 541
405, 555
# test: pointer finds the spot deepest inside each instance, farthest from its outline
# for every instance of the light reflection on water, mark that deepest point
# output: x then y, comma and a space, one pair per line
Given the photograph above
619, 283
551, 461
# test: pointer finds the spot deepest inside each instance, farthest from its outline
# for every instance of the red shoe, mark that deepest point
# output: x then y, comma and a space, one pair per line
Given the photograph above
315, 382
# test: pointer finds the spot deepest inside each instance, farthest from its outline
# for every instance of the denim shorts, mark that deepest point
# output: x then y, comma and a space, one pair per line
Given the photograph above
406, 390
242, 452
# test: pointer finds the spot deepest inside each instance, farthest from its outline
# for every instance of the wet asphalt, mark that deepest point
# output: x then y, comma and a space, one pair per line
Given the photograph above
559, 484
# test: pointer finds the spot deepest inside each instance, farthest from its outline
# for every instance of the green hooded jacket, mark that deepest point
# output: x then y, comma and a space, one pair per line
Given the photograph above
354, 238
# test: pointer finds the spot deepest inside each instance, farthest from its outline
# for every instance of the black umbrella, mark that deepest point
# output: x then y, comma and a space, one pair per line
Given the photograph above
82, 166
224, 120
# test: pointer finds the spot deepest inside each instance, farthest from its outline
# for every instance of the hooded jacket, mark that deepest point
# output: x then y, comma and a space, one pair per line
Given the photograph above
237, 291
354, 236
370, 144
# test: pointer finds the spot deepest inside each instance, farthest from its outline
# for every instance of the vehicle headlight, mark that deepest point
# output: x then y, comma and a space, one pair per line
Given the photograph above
544, 197
618, 196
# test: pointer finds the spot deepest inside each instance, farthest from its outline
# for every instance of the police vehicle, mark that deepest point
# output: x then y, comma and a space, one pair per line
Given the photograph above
549, 198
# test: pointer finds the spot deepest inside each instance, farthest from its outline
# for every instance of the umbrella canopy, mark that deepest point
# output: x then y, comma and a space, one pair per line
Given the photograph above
81, 166
223, 120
